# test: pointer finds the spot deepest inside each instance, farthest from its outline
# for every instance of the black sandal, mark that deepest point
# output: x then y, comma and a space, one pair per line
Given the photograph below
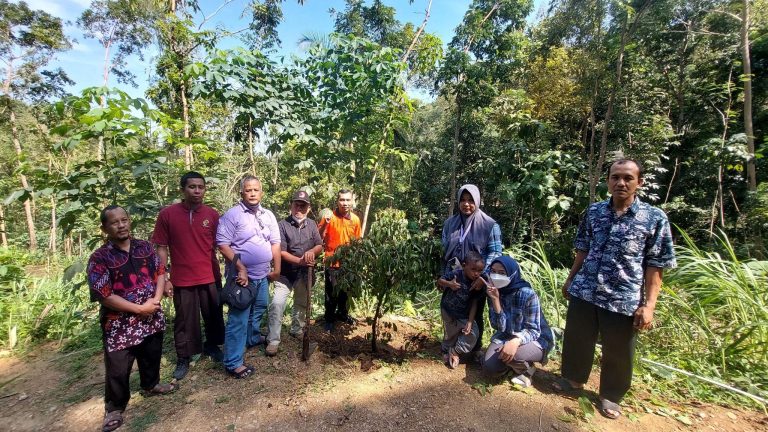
245, 373
112, 421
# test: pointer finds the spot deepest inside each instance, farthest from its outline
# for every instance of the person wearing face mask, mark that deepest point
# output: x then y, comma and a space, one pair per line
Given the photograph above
300, 243
471, 230
522, 333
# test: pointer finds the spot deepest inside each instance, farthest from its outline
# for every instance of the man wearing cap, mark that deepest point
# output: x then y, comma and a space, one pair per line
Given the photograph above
300, 243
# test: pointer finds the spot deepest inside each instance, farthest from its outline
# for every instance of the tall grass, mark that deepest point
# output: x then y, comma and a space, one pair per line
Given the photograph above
42, 309
713, 316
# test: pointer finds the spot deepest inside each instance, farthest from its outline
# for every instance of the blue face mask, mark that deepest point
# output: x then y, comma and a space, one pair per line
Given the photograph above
499, 280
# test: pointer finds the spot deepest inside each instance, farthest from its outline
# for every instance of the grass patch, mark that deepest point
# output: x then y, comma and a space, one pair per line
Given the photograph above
140, 422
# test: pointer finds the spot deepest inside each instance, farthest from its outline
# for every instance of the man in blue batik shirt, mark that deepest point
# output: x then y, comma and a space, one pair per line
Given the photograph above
622, 247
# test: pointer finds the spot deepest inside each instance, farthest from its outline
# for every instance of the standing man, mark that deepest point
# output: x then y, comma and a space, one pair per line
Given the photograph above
337, 229
127, 278
300, 243
250, 230
188, 231
622, 247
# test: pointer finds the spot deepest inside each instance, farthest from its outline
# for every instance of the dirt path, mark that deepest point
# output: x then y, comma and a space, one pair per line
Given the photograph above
340, 389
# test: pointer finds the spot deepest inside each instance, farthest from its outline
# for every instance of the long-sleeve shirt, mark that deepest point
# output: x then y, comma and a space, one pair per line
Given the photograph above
521, 317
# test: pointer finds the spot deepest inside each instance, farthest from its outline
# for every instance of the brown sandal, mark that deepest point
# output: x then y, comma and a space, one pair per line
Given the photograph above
112, 421
161, 389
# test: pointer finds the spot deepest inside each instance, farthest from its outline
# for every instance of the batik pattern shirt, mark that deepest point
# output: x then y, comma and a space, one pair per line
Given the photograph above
133, 276
619, 249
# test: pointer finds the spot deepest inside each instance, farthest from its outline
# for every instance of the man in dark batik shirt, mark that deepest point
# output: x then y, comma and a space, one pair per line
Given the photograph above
125, 276
622, 248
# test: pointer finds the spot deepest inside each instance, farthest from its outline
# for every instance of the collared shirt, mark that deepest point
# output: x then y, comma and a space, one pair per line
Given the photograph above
190, 235
619, 249
296, 238
341, 230
458, 303
521, 317
133, 276
251, 234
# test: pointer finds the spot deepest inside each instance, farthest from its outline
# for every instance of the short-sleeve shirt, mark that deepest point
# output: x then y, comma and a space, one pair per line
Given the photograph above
296, 239
251, 233
133, 276
190, 235
341, 230
457, 303
619, 249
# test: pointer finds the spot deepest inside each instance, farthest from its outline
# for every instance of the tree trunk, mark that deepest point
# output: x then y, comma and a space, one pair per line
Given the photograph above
455, 157
3, 236
185, 115
52, 240
369, 199
747, 78
627, 30
23, 180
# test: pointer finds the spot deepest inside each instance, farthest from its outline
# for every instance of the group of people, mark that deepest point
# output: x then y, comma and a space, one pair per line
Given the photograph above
129, 277
622, 246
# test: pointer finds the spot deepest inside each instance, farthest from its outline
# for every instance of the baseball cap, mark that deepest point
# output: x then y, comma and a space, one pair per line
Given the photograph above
301, 195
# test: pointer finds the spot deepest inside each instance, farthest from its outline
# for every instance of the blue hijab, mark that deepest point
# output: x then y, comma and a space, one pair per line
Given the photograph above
513, 272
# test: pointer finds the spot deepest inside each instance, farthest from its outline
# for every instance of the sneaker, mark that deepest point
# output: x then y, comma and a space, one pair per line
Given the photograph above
298, 334
214, 353
182, 368
524, 380
271, 350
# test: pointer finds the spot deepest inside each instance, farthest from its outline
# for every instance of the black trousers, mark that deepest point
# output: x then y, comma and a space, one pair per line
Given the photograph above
190, 303
584, 322
335, 303
118, 365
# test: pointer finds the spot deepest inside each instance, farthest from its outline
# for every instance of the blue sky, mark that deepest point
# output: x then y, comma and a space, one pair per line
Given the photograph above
84, 62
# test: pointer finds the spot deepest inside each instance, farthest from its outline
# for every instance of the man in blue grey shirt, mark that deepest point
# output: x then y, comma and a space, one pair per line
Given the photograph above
622, 247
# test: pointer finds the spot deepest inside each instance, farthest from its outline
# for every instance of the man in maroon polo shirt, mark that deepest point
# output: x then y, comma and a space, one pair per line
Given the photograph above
188, 231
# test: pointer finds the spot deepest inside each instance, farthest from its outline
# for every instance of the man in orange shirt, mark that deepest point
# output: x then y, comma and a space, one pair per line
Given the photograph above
337, 229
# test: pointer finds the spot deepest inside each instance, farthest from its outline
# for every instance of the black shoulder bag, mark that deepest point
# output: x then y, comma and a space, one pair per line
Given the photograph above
233, 294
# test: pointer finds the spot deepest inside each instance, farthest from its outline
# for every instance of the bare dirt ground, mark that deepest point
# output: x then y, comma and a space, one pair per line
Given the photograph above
341, 388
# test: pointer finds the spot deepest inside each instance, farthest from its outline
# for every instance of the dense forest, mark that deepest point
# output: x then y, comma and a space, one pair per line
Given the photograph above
530, 109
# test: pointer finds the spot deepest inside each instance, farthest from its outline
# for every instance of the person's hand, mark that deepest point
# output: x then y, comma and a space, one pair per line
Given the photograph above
643, 317
242, 277
308, 259
149, 307
478, 284
566, 285
492, 293
273, 276
467, 328
168, 290
453, 284
508, 351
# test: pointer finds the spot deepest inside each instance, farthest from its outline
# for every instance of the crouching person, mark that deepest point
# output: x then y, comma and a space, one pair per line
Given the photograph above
522, 334
126, 277
458, 307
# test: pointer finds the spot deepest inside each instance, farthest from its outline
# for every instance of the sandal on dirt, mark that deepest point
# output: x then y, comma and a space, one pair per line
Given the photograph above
562, 385
112, 421
245, 373
161, 389
609, 409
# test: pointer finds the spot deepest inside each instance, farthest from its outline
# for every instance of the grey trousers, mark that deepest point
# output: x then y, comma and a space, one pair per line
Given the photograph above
276, 309
454, 338
521, 363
